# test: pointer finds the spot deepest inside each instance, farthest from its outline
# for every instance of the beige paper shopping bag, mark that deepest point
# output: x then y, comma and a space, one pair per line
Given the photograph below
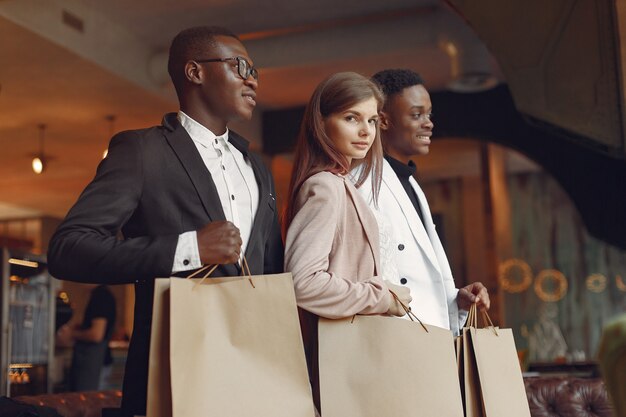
470, 383
468, 374
375, 366
236, 349
500, 386
159, 403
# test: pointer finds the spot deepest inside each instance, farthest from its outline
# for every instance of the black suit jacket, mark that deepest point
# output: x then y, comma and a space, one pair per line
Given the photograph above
153, 186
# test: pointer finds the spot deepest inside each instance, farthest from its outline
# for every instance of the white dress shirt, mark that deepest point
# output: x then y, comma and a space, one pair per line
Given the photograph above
235, 183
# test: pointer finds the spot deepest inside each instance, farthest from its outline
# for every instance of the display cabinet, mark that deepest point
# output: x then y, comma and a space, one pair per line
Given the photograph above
27, 314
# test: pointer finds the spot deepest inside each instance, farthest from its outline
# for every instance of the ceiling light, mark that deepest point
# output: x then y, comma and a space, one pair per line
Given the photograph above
463, 80
37, 165
39, 160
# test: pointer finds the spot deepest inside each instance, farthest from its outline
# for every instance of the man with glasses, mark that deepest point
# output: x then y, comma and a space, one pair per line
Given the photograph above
415, 250
183, 194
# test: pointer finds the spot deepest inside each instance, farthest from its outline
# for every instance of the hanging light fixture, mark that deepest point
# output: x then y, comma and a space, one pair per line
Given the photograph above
39, 160
111, 119
464, 80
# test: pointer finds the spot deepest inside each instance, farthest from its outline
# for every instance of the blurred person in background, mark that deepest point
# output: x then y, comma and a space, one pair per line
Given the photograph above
91, 357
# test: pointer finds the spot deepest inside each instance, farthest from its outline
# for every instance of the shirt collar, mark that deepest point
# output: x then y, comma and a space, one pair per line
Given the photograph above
201, 134
402, 170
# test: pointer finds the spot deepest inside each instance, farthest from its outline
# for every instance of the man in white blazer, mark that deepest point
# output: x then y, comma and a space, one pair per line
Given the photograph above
406, 128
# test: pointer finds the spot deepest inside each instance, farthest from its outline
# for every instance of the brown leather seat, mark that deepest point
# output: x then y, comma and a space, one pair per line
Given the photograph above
572, 397
76, 404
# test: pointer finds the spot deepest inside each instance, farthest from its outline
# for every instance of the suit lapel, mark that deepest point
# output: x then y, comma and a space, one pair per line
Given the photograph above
415, 223
421, 198
444, 266
367, 220
261, 211
192, 162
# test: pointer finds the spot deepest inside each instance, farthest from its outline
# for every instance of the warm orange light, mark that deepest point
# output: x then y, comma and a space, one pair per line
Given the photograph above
20, 366
23, 262
64, 297
38, 165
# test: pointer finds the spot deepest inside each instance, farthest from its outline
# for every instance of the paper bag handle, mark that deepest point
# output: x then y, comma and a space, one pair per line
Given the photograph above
244, 268
472, 318
408, 311
204, 268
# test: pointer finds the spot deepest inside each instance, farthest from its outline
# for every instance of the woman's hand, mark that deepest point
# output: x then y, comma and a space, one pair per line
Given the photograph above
404, 296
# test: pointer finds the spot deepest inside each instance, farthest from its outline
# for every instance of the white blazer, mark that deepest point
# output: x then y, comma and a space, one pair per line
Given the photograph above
419, 255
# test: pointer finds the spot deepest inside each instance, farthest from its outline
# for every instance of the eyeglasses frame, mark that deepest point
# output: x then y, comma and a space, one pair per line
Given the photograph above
251, 70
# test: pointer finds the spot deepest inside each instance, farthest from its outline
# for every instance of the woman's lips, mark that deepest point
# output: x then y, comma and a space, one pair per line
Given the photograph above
361, 145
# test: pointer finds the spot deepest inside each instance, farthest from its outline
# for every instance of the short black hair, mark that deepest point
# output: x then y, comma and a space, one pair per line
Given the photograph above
393, 81
191, 44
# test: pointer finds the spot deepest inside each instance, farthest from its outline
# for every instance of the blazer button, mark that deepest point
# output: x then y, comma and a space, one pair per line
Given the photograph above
400, 246
403, 281
186, 262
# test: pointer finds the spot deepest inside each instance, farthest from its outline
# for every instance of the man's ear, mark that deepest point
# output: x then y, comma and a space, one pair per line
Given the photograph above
194, 72
384, 120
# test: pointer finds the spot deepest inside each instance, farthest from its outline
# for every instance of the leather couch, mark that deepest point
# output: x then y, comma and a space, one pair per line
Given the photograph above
76, 404
547, 397
566, 396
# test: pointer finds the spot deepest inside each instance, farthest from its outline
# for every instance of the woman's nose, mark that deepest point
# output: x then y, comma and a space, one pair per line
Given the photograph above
365, 130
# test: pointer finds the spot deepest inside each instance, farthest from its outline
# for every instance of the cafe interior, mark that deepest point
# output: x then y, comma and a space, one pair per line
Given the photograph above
526, 176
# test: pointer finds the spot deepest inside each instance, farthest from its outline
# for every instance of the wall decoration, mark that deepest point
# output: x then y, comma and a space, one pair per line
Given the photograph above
515, 275
596, 283
550, 285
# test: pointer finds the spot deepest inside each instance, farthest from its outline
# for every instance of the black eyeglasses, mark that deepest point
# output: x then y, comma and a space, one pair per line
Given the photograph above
244, 68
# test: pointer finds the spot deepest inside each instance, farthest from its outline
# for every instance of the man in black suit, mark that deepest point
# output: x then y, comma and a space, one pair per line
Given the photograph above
183, 194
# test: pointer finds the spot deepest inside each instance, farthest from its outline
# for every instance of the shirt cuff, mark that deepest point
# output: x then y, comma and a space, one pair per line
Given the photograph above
462, 318
187, 256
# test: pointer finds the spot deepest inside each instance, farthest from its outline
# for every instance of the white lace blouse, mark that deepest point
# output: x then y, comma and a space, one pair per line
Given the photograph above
389, 268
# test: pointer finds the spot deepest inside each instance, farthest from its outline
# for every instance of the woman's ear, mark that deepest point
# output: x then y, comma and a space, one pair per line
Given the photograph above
194, 72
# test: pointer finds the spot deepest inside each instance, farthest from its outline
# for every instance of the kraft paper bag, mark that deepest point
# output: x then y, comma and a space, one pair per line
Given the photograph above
159, 402
236, 349
470, 384
376, 366
493, 384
